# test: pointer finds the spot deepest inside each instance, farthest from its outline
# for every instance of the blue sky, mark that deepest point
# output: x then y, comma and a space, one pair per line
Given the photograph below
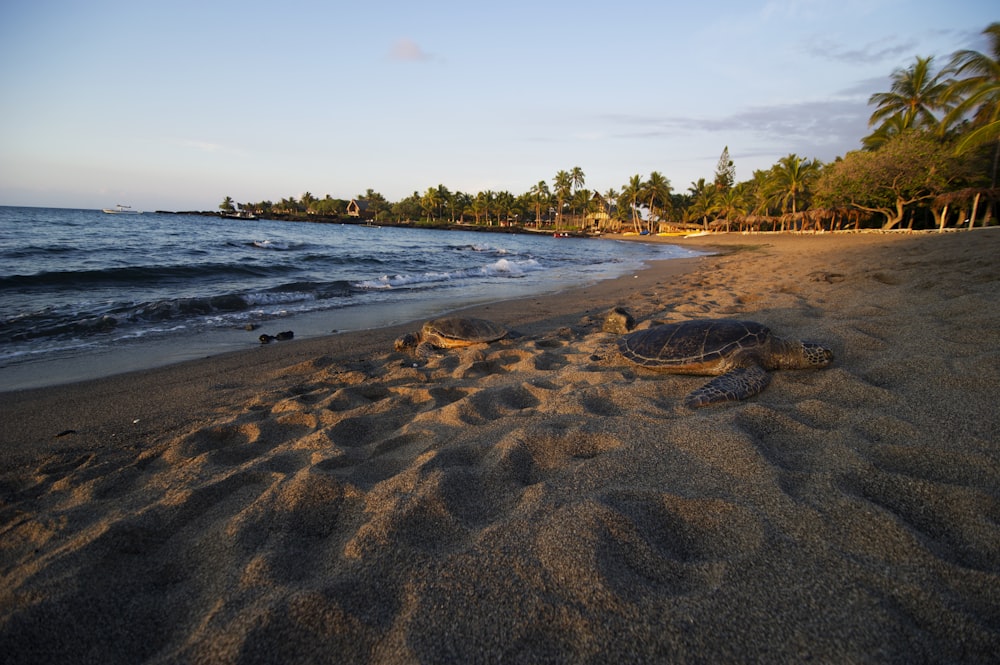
175, 105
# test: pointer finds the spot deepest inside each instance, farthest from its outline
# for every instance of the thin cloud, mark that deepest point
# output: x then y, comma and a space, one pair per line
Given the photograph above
867, 54
829, 127
407, 50
203, 146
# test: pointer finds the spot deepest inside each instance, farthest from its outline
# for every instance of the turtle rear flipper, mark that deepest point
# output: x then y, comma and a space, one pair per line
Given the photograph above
734, 385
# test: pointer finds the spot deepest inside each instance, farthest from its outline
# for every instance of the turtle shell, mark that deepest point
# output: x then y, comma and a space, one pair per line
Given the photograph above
696, 347
461, 331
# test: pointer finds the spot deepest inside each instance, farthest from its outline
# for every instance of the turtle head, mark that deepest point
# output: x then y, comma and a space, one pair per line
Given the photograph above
408, 341
815, 355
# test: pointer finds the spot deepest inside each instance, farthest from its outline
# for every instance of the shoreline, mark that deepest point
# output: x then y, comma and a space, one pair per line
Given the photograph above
534, 315
538, 498
143, 344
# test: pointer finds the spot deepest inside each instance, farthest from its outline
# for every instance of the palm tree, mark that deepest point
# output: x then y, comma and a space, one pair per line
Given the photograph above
979, 93
563, 184
430, 201
731, 203
539, 196
479, 206
581, 202
630, 196
893, 126
702, 201
792, 177
504, 204
445, 197
376, 202
917, 93
577, 179
657, 191
307, 200
758, 196
610, 198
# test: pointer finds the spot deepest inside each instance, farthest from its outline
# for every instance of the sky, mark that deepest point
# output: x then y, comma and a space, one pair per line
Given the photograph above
176, 105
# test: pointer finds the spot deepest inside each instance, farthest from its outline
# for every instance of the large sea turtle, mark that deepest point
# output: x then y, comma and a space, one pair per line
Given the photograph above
449, 332
737, 353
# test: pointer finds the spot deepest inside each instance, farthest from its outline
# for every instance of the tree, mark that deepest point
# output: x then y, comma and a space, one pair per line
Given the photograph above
916, 95
581, 201
563, 185
630, 197
447, 199
481, 204
407, 208
893, 126
227, 205
430, 201
330, 207
979, 94
656, 192
910, 168
288, 206
792, 178
730, 204
725, 172
577, 179
540, 196
306, 201
505, 206
376, 202
702, 201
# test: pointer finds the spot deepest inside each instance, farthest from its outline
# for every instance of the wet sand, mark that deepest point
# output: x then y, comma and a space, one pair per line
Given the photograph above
538, 499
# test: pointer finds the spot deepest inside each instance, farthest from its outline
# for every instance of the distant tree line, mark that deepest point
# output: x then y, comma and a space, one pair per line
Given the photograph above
931, 160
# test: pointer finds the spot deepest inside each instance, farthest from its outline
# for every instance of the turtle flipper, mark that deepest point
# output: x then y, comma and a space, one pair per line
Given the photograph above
734, 385
426, 350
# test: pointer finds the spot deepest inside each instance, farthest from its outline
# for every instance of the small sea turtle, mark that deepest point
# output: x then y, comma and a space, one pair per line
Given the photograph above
737, 353
449, 332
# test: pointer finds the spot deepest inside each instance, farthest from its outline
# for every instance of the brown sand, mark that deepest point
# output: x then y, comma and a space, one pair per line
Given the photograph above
538, 500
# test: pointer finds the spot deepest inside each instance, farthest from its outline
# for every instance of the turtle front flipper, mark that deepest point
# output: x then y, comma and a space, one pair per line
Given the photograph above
426, 350
734, 385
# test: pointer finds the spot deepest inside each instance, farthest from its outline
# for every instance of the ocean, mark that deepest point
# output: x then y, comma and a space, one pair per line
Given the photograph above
84, 294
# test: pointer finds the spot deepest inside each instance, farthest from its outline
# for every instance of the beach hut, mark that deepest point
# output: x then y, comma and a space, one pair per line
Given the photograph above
357, 208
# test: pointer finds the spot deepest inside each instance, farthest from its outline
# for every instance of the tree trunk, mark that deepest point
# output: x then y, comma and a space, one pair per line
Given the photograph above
975, 209
944, 219
891, 220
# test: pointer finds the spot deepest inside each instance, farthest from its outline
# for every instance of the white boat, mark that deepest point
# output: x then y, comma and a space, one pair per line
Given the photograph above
121, 210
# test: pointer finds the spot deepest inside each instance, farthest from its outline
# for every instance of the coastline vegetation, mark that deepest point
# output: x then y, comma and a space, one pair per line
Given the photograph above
931, 161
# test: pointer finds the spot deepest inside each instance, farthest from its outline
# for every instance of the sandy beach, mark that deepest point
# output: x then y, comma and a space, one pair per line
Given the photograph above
538, 500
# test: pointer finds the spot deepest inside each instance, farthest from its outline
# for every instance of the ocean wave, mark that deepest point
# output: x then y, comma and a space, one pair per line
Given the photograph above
95, 318
278, 245
484, 248
138, 275
499, 268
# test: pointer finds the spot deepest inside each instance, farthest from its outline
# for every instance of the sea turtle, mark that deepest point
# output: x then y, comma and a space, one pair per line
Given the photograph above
449, 332
737, 353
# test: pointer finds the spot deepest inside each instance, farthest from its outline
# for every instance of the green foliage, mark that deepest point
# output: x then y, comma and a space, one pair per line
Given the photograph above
915, 98
725, 171
910, 168
790, 182
978, 96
